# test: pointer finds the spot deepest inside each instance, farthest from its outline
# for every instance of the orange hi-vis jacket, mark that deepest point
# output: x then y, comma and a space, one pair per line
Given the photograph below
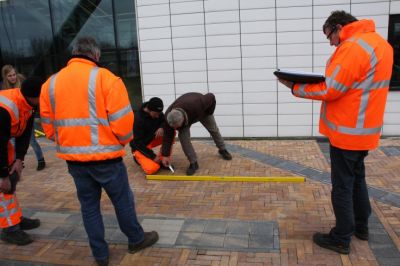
20, 111
355, 90
85, 109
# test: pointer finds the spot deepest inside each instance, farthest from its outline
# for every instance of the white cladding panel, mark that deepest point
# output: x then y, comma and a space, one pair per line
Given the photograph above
232, 47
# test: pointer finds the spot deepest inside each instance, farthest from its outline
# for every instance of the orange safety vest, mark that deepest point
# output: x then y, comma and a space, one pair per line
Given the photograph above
85, 109
148, 165
20, 111
355, 90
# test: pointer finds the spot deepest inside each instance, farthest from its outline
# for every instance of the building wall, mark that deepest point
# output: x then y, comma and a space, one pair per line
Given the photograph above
232, 47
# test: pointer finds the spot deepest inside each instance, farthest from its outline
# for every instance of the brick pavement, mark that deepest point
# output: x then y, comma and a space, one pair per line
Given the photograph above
297, 209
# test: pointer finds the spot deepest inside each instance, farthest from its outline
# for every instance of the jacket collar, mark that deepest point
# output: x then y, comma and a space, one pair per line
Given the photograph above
360, 26
83, 59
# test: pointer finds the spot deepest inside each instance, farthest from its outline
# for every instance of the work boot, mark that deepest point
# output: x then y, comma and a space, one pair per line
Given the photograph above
225, 154
362, 234
28, 224
192, 168
41, 165
17, 237
150, 238
325, 241
103, 262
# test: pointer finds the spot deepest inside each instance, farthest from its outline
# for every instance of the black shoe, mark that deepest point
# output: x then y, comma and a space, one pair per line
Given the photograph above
102, 262
41, 165
362, 234
325, 241
225, 154
18, 237
150, 238
28, 224
192, 168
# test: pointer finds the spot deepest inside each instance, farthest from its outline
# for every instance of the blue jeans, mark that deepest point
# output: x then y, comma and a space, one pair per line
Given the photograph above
89, 181
35, 146
349, 195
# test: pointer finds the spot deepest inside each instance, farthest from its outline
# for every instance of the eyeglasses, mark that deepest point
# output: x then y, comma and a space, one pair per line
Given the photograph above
330, 33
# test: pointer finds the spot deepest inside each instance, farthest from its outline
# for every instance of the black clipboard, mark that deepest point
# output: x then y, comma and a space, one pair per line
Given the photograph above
299, 77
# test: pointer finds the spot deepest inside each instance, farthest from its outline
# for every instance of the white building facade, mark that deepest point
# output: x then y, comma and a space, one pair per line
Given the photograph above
232, 47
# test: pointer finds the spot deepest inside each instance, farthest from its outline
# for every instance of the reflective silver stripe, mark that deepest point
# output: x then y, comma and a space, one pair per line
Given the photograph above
117, 115
45, 120
331, 81
52, 88
126, 137
10, 104
71, 122
89, 149
7, 213
323, 117
359, 131
93, 122
94, 129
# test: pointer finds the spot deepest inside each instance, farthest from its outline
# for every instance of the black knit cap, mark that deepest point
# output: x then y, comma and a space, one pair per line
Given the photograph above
155, 104
31, 87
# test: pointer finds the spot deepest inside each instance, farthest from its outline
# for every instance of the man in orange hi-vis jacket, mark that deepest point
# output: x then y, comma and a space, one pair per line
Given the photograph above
85, 109
353, 103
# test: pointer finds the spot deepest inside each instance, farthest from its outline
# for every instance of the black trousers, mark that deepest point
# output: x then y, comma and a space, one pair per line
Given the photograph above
349, 193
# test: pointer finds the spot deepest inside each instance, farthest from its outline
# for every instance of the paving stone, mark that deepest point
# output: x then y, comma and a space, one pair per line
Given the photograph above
216, 227
211, 241
261, 228
389, 261
188, 238
167, 238
236, 241
191, 225
261, 242
62, 232
238, 228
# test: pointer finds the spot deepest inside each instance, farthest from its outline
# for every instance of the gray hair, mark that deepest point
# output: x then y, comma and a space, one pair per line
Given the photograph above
86, 46
175, 118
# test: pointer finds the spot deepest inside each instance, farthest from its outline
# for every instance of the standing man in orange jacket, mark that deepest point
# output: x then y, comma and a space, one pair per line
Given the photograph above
16, 120
353, 103
85, 109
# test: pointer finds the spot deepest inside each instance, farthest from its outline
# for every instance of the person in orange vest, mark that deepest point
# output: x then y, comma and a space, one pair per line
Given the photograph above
148, 133
12, 79
353, 103
85, 109
16, 120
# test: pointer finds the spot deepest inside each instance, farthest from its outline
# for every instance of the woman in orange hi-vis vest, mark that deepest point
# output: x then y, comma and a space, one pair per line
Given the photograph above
353, 103
16, 120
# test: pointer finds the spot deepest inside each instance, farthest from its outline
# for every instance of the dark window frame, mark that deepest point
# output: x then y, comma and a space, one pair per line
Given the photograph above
395, 80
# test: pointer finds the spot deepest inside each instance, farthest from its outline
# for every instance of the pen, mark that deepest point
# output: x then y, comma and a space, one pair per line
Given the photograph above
170, 168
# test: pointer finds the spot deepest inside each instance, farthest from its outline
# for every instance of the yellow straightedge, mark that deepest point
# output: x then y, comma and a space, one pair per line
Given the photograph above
228, 178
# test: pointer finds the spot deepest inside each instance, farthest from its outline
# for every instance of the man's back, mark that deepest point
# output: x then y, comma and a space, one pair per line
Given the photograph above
91, 112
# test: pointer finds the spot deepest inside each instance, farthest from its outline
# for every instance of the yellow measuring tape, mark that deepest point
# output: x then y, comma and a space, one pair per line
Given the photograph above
39, 133
228, 178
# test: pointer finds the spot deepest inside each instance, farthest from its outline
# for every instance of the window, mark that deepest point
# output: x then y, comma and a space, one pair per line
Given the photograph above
394, 40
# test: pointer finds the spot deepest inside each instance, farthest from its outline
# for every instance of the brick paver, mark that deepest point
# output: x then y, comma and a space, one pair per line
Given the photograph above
298, 209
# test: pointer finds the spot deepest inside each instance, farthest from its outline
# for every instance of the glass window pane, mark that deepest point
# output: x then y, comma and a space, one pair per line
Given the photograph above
394, 39
20, 45
126, 24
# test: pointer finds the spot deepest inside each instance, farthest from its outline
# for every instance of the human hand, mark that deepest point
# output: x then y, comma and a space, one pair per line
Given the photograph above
5, 184
166, 161
17, 166
287, 83
159, 132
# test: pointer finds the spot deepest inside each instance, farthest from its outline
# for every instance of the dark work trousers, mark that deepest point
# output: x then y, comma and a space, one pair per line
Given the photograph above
349, 193
184, 137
